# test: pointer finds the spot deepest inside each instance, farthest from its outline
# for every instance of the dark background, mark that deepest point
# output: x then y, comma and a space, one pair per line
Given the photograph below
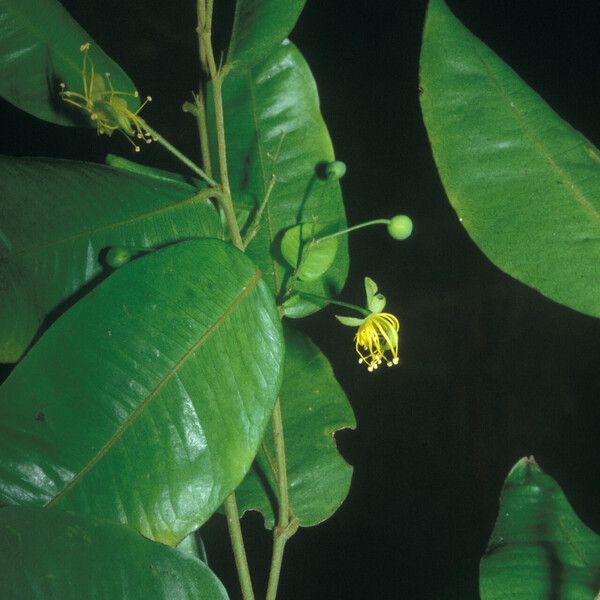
492, 371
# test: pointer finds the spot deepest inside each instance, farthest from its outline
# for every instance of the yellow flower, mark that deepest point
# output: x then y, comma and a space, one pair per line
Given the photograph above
377, 340
107, 108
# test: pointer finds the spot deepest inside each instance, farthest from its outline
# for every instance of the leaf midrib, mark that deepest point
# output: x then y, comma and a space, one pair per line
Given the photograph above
120, 431
199, 197
579, 196
263, 178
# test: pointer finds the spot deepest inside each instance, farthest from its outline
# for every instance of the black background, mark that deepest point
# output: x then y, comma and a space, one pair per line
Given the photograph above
492, 371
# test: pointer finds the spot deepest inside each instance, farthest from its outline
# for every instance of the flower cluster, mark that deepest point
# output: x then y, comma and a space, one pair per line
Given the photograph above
107, 107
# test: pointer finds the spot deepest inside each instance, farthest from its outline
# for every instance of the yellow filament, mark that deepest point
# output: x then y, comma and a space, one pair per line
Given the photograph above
377, 340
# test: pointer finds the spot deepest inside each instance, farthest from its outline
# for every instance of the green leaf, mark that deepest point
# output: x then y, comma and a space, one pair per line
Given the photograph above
147, 400
313, 407
350, 321
274, 126
524, 183
39, 49
539, 548
62, 554
310, 259
259, 26
59, 216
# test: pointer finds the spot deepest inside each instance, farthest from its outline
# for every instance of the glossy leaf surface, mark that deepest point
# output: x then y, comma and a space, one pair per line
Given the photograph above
524, 183
58, 217
274, 127
61, 554
259, 26
539, 548
39, 50
146, 402
311, 259
313, 407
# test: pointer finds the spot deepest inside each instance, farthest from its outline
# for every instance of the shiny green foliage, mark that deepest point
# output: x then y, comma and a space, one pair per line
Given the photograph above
259, 26
524, 183
539, 548
310, 258
146, 402
314, 407
66, 555
39, 50
58, 217
274, 128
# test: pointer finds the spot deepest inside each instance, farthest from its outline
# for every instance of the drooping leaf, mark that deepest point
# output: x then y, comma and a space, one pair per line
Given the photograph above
147, 400
59, 216
274, 127
259, 26
62, 554
309, 258
539, 548
524, 183
313, 407
40, 49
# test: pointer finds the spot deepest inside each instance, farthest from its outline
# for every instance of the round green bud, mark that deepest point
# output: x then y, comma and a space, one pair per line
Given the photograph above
400, 227
335, 170
117, 256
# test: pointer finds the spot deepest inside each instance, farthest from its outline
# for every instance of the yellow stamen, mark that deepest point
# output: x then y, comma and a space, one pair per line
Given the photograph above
105, 106
378, 338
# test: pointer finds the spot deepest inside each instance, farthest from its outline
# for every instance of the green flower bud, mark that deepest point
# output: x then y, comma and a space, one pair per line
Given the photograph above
335, 170
118, 256
400, 227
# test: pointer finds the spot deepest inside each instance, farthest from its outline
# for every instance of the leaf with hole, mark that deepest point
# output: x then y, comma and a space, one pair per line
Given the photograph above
146, 401
59, 218
314, 407
62, 554
525, 184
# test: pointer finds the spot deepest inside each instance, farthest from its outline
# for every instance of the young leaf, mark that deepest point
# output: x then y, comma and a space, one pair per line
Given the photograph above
146, 401
314, 407
59, 216
524, 183
310, 259
259, 26
539, 548
62, 554
274, 126
40, 49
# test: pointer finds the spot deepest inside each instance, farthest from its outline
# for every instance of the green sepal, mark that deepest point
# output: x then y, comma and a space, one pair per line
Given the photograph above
375, 301
350, 321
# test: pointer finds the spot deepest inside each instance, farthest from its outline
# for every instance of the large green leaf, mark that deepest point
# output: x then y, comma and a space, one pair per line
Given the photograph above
61, 554
524, 183
274, 125
146, 402
259, 26
39, 49
539, 548
58, 216
313, 407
